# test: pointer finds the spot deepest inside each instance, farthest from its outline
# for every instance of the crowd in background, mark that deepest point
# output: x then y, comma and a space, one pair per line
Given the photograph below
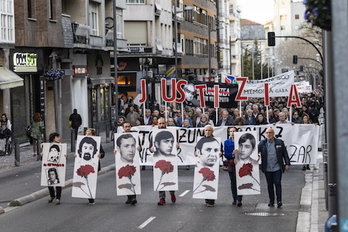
254, 112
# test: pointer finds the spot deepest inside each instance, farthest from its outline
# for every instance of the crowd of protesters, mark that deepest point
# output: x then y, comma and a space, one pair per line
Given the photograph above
254, 112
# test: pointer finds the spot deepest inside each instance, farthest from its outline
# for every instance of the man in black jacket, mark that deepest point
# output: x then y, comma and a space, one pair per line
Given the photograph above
76, 121
273, 156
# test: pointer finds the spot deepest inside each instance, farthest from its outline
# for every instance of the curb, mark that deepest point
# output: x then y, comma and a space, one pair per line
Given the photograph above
44, 192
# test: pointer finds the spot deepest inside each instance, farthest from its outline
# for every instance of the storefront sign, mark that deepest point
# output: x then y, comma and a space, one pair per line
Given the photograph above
24, 62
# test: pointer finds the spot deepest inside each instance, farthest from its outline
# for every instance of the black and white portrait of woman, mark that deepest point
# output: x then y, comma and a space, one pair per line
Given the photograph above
52, 176
54, 153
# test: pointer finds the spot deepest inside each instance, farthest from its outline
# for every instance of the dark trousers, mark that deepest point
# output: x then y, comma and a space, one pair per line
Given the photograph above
234, 187
76, 129
56, 194
162, 194
274, 179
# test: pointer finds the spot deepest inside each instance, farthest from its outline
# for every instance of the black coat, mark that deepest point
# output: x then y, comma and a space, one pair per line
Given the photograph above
282, 154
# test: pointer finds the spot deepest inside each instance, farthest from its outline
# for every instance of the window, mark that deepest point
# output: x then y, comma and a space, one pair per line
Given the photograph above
282, 28
93, 15
297, 16
6, 21
119, 26
30, 8
135, 1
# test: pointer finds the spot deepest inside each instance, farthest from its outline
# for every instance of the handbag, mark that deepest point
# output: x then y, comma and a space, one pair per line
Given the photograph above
28, 130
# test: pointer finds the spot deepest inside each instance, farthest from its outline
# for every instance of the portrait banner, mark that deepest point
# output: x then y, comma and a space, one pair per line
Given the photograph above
127, 164
279, 86
301, 141
165, 160
53, 167
206, 173
86, 167
247, 167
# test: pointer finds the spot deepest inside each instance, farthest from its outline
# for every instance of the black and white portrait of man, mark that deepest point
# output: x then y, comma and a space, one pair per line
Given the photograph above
164, 143
190, 95
87, 148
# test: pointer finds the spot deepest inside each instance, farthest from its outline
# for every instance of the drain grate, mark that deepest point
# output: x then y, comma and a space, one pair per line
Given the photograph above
265, 214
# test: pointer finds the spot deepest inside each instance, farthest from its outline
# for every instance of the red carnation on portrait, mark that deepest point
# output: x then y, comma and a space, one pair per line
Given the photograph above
208, 175
165, 167
84, 171
128, 171
245, 170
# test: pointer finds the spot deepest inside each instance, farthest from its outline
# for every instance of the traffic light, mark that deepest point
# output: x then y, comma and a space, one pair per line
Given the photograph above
271, 39
294, 59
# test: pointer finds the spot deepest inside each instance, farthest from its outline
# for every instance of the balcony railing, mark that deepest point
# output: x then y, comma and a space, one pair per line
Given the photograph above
81, 33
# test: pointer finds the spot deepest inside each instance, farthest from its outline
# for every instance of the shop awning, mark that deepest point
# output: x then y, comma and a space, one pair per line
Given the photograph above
9, 79
102, 80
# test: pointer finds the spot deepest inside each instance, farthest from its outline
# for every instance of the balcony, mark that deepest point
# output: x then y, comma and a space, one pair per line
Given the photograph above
81, 33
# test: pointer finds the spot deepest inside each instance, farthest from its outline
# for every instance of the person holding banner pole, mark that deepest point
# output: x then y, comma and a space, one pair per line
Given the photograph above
162, 194
127, 153
54, 138
229, 153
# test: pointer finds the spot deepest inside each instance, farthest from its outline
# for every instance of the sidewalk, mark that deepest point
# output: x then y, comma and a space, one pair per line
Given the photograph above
313, 213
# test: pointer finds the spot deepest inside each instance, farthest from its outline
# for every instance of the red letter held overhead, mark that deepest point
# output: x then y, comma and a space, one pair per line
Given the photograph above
293, 97
179, 85
239, 96
164, 90
266, 85
143, 90
201, 94
216, 96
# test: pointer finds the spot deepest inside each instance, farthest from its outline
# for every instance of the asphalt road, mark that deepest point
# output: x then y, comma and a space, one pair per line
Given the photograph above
111, 214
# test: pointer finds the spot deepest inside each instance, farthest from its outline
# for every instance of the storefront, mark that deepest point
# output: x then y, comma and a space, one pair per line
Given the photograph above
29, 98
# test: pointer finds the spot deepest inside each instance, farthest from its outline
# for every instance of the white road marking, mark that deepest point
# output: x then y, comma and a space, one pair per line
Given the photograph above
184, 193
146, 222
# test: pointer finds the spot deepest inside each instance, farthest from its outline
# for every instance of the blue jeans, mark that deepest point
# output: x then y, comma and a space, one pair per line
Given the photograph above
234, 187
274, 179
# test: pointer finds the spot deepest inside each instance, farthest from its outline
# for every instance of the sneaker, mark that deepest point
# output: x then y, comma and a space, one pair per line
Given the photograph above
280, 204
308, 168
239, 204
271, 204
304, 168
234, 203
161, 202
173, 197
57, 202
91, 203
210, 205
50, 200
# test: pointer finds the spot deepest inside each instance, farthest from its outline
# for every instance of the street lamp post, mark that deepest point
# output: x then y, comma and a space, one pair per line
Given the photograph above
209, 52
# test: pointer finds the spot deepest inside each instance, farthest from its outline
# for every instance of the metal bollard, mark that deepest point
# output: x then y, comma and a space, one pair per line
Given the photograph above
96, 129
325, 174
72, 140
107, 132
38, 146
17, 153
